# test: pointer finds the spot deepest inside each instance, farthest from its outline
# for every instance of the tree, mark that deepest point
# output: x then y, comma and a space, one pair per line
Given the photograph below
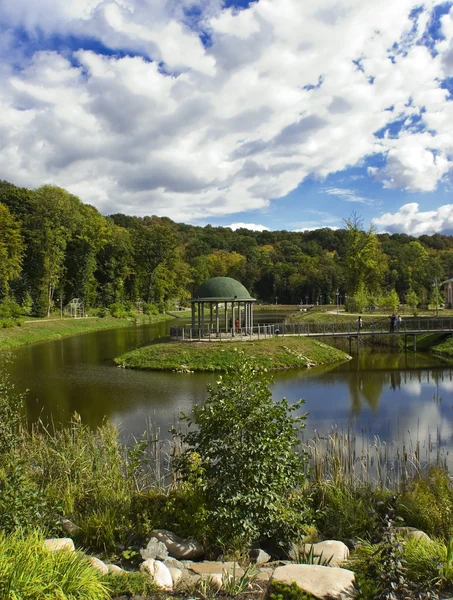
249, 463
412, 301
11, 249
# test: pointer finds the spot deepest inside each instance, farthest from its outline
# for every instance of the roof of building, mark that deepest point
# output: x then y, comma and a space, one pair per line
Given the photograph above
221, 289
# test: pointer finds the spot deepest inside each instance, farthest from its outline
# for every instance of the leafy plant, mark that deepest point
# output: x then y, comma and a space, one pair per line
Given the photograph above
132, 584
299, 555
248, 460
233, 585
284, 591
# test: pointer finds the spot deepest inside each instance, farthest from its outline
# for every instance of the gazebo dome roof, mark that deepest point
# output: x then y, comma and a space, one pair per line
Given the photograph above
221, 289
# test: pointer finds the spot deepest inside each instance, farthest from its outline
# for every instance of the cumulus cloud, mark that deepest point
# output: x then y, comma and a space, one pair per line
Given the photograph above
409, 219
251, 226
197, 110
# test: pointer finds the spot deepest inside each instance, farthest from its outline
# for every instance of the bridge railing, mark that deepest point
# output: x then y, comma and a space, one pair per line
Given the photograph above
378, 327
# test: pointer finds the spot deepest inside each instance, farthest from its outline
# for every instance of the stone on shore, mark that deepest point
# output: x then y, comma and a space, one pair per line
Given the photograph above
176, 575
330, 553
98, 564
211, 567
58, 544
115, 570
413, 532
325, 583
155, 549
259, 557
182, 549
159, 573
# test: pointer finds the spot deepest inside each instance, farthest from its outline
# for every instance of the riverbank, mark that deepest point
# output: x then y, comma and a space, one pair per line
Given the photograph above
272, 354
31, 332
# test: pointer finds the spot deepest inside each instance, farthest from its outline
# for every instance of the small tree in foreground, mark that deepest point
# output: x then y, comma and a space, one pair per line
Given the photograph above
249, 465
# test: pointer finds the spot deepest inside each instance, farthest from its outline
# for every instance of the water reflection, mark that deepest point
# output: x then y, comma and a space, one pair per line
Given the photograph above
390, 395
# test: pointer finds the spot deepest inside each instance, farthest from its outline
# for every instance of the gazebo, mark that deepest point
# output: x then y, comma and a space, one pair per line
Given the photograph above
222, 292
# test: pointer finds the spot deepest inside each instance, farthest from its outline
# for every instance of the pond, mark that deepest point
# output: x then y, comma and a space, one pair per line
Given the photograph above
394, 396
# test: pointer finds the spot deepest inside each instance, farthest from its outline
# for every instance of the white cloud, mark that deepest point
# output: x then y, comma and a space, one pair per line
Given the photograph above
348, 195
310, 227
251, 226
409, 219
193, 132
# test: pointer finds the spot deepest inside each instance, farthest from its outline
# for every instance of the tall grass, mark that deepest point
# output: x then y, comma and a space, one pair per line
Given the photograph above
28, 571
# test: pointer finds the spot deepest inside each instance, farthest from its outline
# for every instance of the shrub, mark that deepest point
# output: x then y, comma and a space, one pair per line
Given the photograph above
29, 571
10, 309
150, 309
284, 591
428, 504
121, 311
132, 584
246, 461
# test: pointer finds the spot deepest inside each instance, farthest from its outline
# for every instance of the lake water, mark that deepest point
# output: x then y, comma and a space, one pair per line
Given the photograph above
385, 394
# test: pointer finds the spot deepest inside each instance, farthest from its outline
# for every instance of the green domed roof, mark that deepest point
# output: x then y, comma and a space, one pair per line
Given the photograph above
221, 289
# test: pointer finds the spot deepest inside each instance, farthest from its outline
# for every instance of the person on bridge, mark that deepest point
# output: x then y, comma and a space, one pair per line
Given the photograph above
399, 320
359, 323
392, 323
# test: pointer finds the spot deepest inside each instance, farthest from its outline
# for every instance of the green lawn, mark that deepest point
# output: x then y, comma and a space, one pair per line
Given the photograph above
273, 354
36, 330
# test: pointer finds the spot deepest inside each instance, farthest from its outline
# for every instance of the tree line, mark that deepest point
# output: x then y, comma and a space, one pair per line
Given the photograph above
53, 248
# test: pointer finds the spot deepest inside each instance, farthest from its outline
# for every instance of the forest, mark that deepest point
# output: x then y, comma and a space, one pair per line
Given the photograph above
53, 248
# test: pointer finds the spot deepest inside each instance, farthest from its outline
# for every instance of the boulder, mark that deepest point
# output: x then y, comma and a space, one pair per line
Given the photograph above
69, 527
176, 575
182, 549
211, 567
159, 573
57, 544
154, 549
330, 550
171, 562
413, 532
97, 564
260, 557
115, 570
325, 583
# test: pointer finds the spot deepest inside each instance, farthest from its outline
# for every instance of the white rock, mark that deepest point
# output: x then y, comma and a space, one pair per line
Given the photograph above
98, 565
115, 570
260, 556
322, 582
182, 549
336, 551
176, 575
173, 562
57, 544
154, 549
413, 532
159, 573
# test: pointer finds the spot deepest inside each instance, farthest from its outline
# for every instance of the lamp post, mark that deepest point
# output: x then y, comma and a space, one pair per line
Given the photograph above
306, 299
338, 300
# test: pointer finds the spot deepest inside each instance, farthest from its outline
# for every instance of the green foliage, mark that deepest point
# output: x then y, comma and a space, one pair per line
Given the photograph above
428, 504
250, 475
358, 302
11, 249
285, 591
412, 301
121, 311
28, 571
132, 584
344, 510
391, 301
12, 414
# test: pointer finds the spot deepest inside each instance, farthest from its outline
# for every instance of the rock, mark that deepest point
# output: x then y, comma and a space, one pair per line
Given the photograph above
210, 567
57, 544
264, 574
182, 549
159, 573
330, 583
69, 527
171, 562
115, 570
260, 557
97, 564
215, 579
154, 549
176, 575
336, 552
413, 532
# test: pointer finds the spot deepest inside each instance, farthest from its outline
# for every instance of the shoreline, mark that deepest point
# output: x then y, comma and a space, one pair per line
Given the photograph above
47, 330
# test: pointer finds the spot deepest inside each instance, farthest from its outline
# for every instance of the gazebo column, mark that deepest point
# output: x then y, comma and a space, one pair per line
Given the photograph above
217, 323
210, 316
239, 316
233, 321
251, 316
246, 306
226, 317
202, 319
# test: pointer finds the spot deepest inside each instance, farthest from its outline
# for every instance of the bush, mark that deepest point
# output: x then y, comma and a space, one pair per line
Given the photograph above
121, 311
150, 309
284, 591
243, 457
428, 504
10, 309
132, 584
29, 571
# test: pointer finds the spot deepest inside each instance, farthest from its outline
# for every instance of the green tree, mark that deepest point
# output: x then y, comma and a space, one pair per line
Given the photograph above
412, 301
11, 249
250, 464
391, 301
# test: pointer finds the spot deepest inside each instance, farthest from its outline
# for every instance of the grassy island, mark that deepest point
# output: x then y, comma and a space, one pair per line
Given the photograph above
40, 330
273, 354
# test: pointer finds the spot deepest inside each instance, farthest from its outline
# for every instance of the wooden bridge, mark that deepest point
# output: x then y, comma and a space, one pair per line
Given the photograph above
350, 330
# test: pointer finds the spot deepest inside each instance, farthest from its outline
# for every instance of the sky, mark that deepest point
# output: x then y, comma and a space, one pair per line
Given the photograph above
274, 114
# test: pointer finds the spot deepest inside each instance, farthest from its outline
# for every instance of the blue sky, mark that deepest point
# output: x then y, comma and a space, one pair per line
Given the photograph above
279, 115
